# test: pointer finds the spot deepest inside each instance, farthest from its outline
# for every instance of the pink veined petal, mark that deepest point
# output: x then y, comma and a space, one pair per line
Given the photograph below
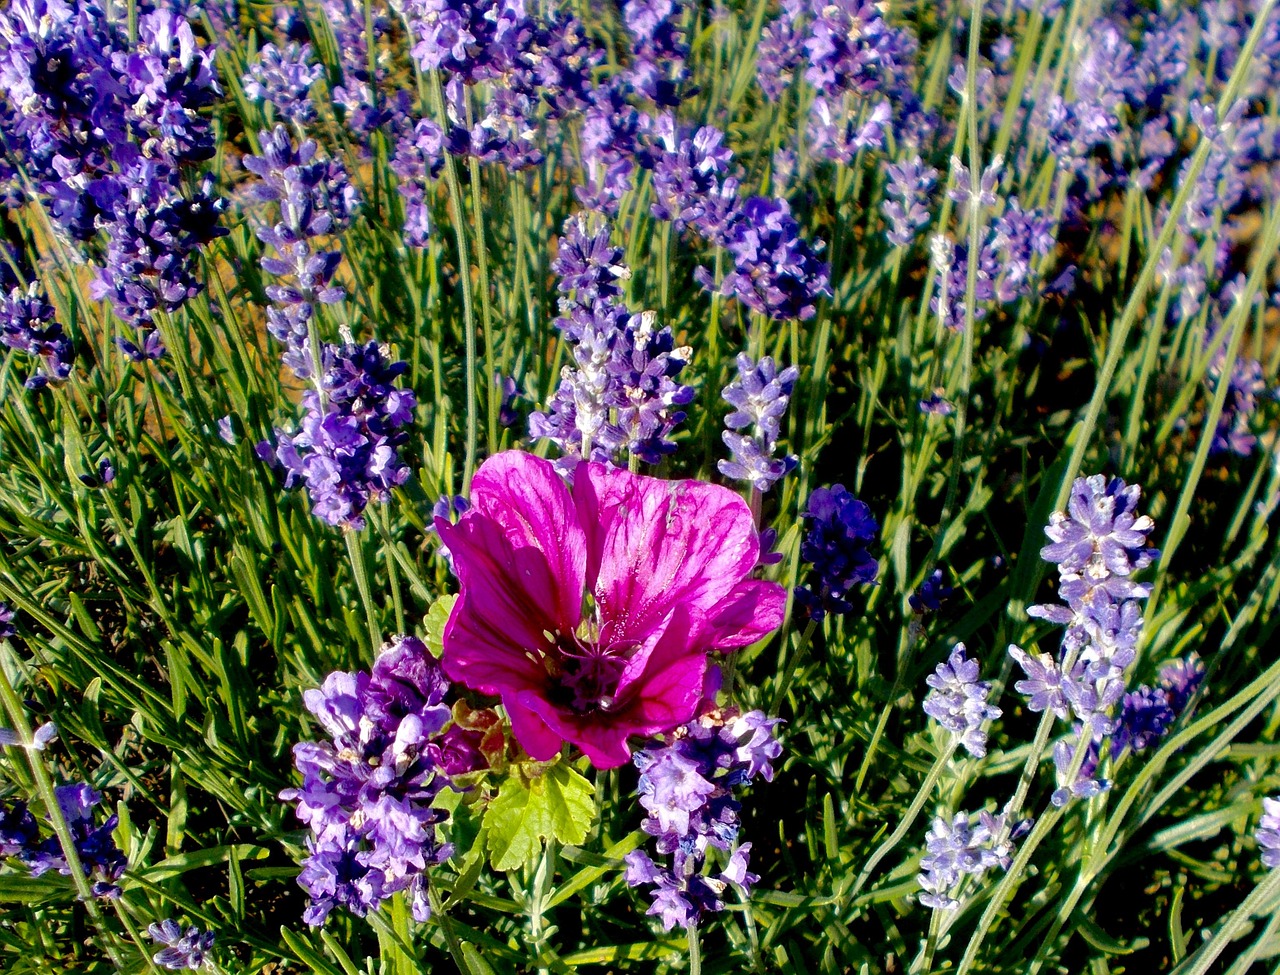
751, 612
528, 728
495, 625
528, 499
662, 543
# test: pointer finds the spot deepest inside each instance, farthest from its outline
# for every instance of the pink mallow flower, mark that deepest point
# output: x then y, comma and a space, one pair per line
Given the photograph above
591, 610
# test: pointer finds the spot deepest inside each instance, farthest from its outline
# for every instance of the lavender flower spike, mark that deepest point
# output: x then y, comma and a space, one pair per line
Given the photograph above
759, 396
958, 701
1268, 833
188, 950
909, 185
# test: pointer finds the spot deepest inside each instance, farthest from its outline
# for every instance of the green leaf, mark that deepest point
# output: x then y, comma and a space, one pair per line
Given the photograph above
526, 812
437, 617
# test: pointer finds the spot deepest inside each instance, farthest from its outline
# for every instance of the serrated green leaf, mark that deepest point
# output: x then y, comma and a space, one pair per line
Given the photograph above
526, 812
437, 617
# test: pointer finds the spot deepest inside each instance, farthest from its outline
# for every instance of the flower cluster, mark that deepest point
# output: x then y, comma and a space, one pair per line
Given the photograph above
621, 394
687, 788
776, 272
107, 128
346, 451
99, 856
316, 199
366, 794
840, 526
658, 50
693, 182
1097, 545
283, 77
27, 324
958, 701
759, 397
907, 207
960, 847
419, 158
189, 950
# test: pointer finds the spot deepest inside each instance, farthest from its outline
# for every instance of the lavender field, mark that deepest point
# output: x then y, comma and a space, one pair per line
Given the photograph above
665, 486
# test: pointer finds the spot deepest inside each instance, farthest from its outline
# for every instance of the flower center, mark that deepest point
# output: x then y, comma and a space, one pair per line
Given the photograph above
588, 668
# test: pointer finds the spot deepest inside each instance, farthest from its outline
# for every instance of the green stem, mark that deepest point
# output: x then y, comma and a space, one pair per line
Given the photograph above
464, 279
695, 951
1232, 927
908, 820
44, 786
359, 569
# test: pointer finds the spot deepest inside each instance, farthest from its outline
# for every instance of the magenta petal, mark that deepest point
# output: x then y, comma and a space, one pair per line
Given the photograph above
529, 729
661, 544
495, 620
605, 744
528, 499
751, 612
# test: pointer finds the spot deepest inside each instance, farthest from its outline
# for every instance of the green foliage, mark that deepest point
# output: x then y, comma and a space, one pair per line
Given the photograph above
537, 804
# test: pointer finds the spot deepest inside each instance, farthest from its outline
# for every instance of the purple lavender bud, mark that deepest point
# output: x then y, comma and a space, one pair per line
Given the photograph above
1145, 716
7, 629
958, 701
100, 858
693, 183
907, 210
27, 324
1100, 535
507, 413
658, 49
1268, 833
686, 786
759, 396
781, 50
1043, 685
958, 847
1180, 680
933, 593
1244, 386
937, 404
588, 264
1086, 784
776, 272
284, 79
189, 950
840, 526
367, 794
346, 450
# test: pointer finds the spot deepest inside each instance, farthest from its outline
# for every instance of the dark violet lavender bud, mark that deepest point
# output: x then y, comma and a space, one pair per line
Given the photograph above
154, 233
781, 50
960, 847
776, 272
507, 413
1145, 716
840, 526
283, 77
316, 199
1268, 833
642, 389
346, 451
7, 629
907, 209
658, 50
188, 950
1180, 680
27, 324
759, 396
693, 183
933, 593
357, 91
366, 792
99, 856
687, 788
958, 701
588, 264
937, 403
